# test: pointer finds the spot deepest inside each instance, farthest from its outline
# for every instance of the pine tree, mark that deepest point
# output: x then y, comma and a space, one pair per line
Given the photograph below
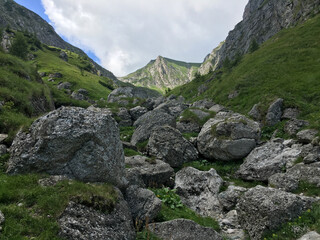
19, 47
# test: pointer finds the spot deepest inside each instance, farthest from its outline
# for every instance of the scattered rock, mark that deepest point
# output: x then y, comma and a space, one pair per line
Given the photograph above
64, 85
55, 75
51, 80
83, 222
310, 236
217, 108
274, 112
306, 136
284, 182
79, 96
3, 149
71, 141
311, 158
188, 127
233, 94
173, 107
154, 173
290, 113
183, 229
2, 219
200, 114
42, 74
203, 104
84, 92
167, 144
3, 137
228, 137
152, 103
52, 180
64, 56
231, 228
132, 92
255, 113
199, 190
125, 117
267, 160
294, 125
263, 209
147, 122
229, 198
137, 112
143, 204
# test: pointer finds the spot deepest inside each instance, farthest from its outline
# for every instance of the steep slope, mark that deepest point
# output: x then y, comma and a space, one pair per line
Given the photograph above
262, 19
285, 66
20, 18
163, 73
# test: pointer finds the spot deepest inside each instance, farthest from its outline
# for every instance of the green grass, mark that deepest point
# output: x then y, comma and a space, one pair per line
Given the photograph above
189, 116
142, 146
130, 152
31, 210
308, 221
286, 66
190, 135
308, 189
126, 133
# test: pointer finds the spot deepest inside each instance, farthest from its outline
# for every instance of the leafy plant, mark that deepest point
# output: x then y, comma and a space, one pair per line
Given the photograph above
169, 197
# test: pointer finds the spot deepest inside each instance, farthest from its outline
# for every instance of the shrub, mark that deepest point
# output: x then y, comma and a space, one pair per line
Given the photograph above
19, 46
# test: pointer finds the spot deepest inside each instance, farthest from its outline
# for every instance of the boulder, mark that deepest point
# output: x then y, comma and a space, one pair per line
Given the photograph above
255, 113
84, 92
274, 112
125, 118
173, 107
3, 137
311, 158
55, 75
154, 173
199, 190
188, 127
310, 236
228, 136
71, 141
143, 204
294, 125
263, 209
167, 144
79, 96
147, 122
306, 172
3, 149
267, 160
84, 222
229, 198
203, 104
200, 114
152, 103
137, 112
290, 113
217, 108
64, 85
284, 182
183, 229
306, 136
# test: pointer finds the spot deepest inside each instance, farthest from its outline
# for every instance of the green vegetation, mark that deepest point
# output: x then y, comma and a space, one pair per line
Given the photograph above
286, 66
130, 152
268, 131
142, 146
126, 133
168, 197
308, 189
19, 46
308, 221
190, 135
189, 116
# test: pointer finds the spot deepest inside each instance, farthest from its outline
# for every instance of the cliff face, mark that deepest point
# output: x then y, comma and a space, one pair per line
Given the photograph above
163, 73
20, 18
262, 19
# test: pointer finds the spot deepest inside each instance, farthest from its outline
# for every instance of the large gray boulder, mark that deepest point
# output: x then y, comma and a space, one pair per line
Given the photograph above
284, 182
228, 136
263, 209
80, 222
132, 92
143, 204
188, 127
199, 190
173, 107
203, 104
137, 112
153, 173
267, 160
274, 113
294, 125
310, 236
306, 136
229, 198
71, 141
167, 144
125, 118
147, 122
183, 229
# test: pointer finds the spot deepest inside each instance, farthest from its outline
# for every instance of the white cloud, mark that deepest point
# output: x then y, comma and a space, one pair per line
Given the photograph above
127, 34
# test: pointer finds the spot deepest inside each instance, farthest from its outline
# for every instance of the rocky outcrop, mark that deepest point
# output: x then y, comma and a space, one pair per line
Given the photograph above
274, 113
263, 209
228, 136
83, 222
199, 190
71, 141
167, 144
163, 73
182, 229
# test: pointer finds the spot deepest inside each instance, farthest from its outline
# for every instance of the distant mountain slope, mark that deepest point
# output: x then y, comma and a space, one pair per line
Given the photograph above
163, 73
262, 19
20, 18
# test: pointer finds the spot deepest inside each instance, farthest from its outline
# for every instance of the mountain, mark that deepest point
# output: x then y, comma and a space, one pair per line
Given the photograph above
262, 19
163, 73
20, 18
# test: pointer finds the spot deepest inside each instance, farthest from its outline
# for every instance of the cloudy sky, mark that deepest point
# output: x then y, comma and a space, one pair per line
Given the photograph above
126, 34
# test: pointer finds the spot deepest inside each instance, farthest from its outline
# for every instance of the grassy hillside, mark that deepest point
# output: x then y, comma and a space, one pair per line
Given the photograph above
286, 66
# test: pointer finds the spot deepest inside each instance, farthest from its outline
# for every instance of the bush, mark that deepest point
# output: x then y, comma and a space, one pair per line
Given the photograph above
19, 47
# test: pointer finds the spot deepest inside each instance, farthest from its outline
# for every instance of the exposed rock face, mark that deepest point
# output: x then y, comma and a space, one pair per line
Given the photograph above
199, 190
229, 198
163, 73
147, 122
182, 229
255, 113
211, 60
82, 222
261, 209
274, 112
267, 160
310, 236
143, 204
306, 136
71, 141
228, 137
167, 144
294, 125
284, 182
261, 20
154, 173
188, 127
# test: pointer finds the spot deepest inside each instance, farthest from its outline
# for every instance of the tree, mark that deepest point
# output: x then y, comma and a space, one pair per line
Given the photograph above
254, 46
19, 46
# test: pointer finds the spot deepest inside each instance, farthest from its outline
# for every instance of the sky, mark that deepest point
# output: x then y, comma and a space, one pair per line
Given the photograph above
124, 35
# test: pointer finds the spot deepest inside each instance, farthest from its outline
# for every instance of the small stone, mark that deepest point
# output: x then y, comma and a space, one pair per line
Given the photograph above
306, 136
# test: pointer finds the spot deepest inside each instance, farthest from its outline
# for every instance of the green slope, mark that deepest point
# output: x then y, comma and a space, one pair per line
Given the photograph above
286, 66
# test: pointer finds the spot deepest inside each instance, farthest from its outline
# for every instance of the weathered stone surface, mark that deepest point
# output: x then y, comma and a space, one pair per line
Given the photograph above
310, 236
79, 96
311, 158
125, 117
3, 149
3, 137
306, 136
233, 94
137, 112
55, 75
2, 219
173, 107
284, 182
274, 112
231, 228
183, 229
152, 103
261, 209
255, 113
203, 104
306, 172
71, 141
64, 85
290, 113
83, 92
199, 190
294, 125
200, 114
143, 204
217, 108
229, 198
228, 136
80, 222
167, 144
188, 127
52, 180
153, 172
147, 122
267, 160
